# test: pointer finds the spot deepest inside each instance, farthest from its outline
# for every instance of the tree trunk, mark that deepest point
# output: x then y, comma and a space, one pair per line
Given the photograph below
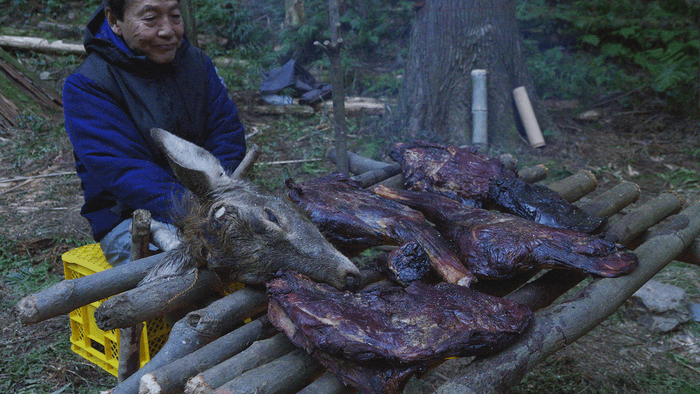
449, 39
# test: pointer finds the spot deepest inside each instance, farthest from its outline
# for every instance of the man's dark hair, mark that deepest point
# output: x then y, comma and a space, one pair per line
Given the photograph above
117, 7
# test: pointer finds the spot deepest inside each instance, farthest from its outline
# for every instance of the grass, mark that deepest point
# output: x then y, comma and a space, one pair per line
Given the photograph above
46, 363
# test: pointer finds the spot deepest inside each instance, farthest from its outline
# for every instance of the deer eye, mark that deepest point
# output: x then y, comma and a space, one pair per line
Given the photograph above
271, 216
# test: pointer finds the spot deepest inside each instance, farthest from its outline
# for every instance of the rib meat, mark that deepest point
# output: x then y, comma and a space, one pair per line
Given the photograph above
476, 179
354, 219
497, 245
391, 332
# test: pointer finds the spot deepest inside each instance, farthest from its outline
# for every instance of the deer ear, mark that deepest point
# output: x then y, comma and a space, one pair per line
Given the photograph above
194, 166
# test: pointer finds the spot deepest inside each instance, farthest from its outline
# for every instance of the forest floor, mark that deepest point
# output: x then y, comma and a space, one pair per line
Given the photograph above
657, 150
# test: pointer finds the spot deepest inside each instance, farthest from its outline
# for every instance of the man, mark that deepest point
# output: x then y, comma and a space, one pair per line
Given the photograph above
140, 73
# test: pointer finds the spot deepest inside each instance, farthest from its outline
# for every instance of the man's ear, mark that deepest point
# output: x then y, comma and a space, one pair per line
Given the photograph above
113, 22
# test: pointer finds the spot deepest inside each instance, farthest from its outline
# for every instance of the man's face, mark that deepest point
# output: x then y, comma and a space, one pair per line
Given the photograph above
153, 28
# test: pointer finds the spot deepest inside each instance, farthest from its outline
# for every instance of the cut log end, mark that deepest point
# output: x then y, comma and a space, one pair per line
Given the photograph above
149, 385
27, 310
197, 385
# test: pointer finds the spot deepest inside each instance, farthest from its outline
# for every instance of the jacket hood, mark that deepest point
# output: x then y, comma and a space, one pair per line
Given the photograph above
100, 38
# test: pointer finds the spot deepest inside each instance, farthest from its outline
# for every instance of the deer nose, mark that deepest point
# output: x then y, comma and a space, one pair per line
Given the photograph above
352, 281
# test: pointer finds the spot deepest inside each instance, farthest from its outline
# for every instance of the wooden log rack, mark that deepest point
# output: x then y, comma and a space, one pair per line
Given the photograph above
210, 350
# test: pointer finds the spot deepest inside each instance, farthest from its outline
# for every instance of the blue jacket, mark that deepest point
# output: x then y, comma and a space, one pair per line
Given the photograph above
112, 101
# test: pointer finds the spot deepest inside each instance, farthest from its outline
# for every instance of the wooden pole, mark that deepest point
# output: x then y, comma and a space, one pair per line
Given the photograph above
171, 378
286, 375
199, 328
69, 295
573, 187
130, 337
156, 299
327, 384
333, 48
259, 353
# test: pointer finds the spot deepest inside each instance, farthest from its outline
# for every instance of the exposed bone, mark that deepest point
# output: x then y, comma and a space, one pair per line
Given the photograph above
171, 378
562, 324
259, 353
199, 328
68, 295
287, 374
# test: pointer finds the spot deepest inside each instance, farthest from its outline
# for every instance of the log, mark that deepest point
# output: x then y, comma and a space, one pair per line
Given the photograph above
171, 378
42, 45
627, 192
129, 351
286, 375
247, 163
259, 353
327, 384
562, 324
130, 337
279, 110
355, 106
156, 299
533, 174
69, 295
199, 328
370, 178
629, 227
573, 187
358, 164
140, 234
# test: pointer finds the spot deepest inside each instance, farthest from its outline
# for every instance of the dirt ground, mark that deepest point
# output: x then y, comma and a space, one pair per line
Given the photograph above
657, 151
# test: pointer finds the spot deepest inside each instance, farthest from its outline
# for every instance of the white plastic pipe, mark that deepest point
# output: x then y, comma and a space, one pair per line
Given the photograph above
527, 115
479, 108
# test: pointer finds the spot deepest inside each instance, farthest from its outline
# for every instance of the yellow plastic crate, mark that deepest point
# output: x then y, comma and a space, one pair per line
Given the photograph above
98, 346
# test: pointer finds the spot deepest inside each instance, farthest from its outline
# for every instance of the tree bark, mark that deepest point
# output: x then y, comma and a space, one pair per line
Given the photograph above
171, 378
199, 328
575, 186
294, 13
287, 374
259, 353
68, 295
130, 337
327, 384
187, 9
333, 50
450, 38
155, 299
